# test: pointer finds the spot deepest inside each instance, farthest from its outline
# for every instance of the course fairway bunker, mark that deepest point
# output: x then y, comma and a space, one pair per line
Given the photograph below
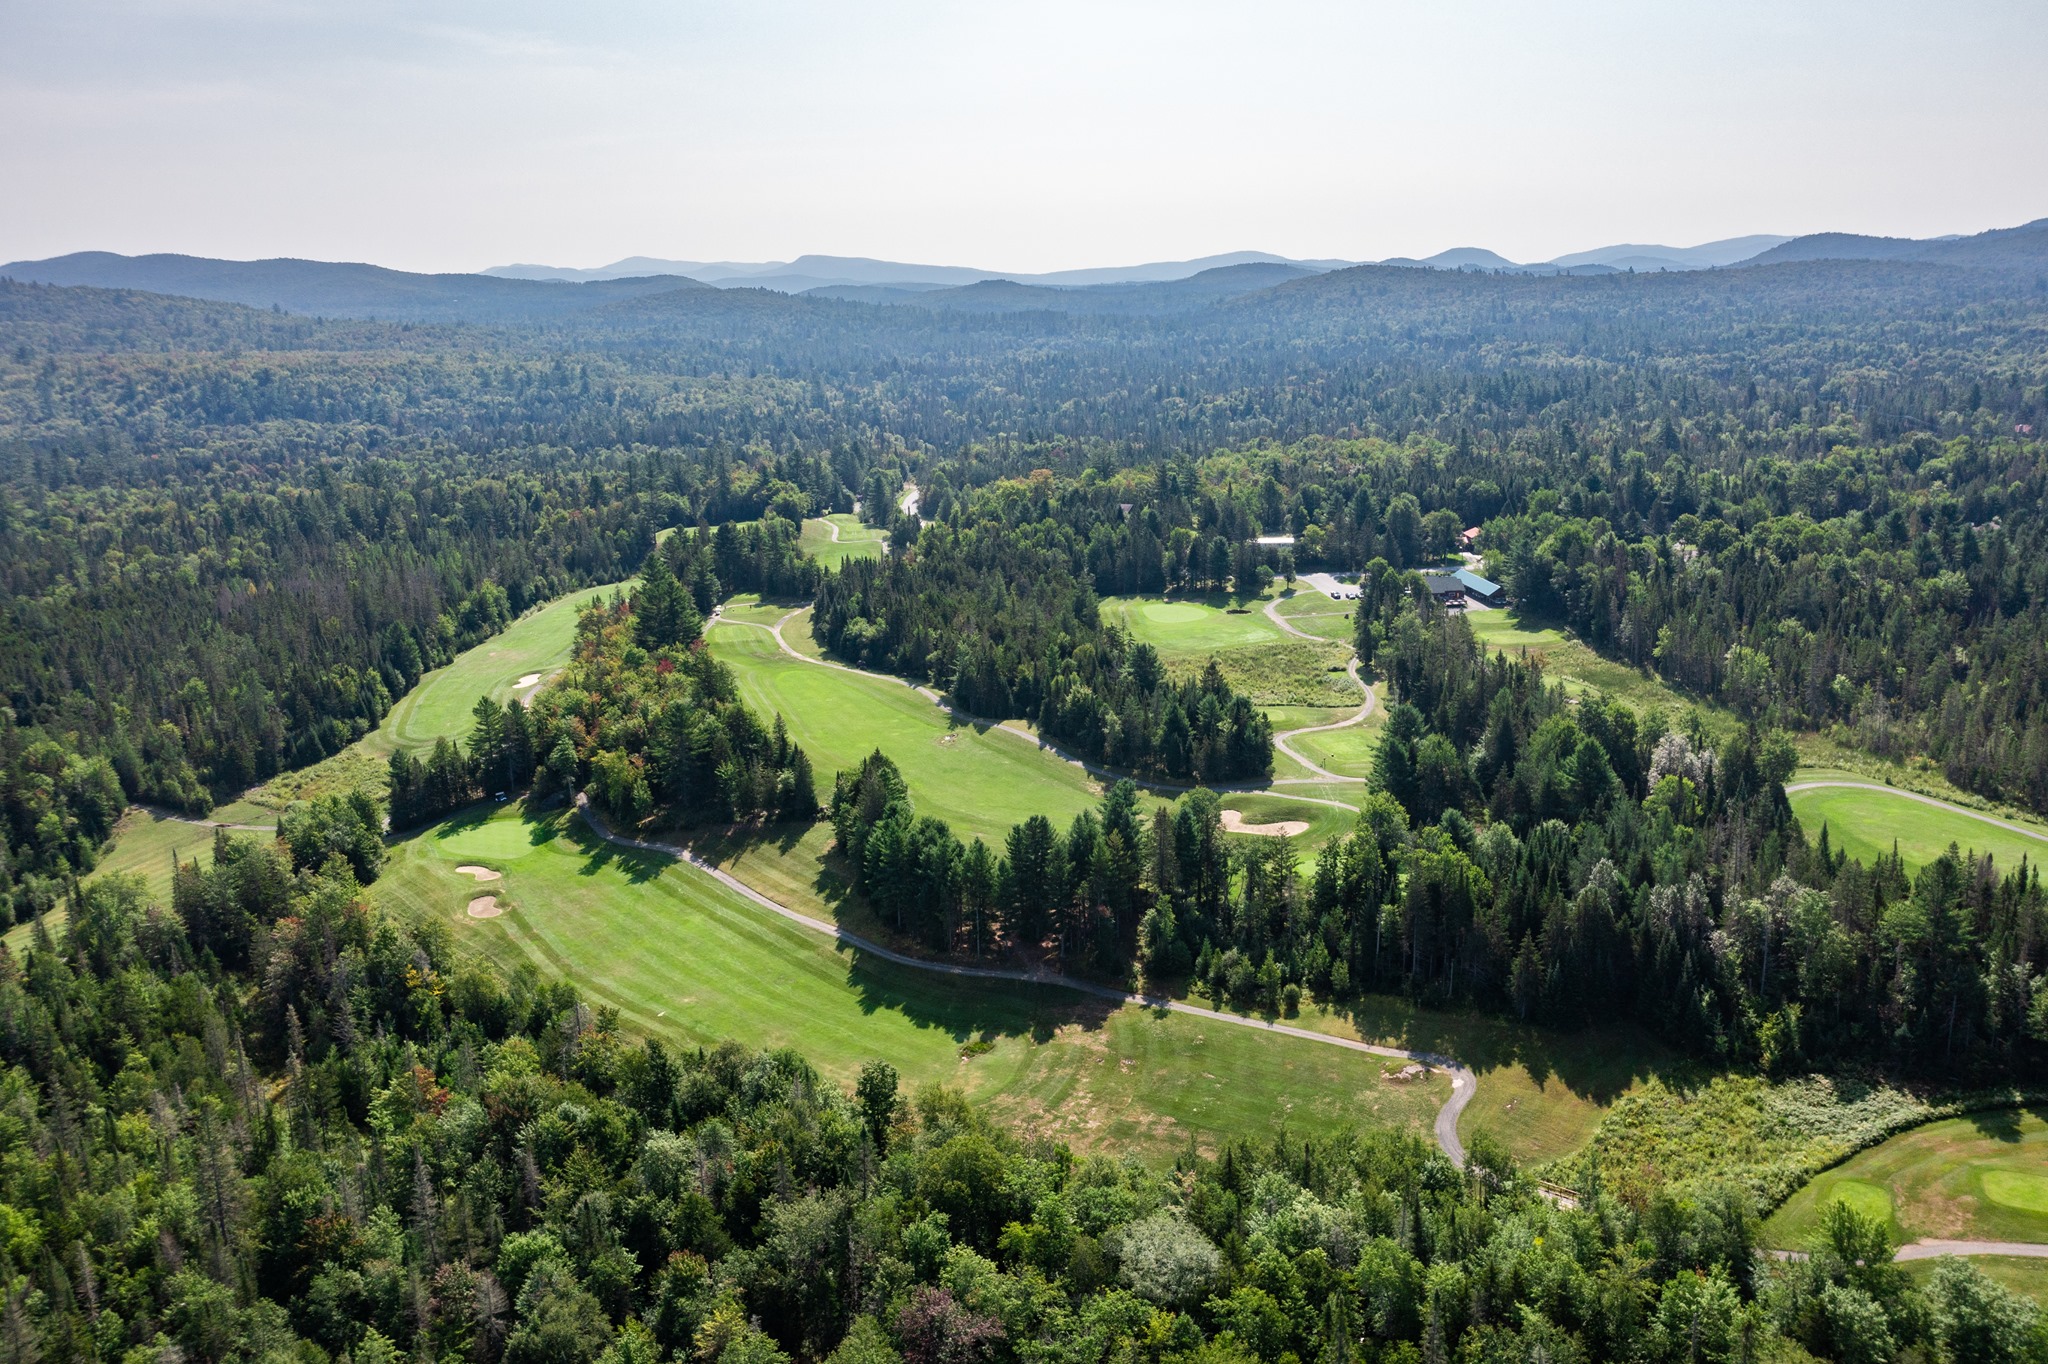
1234, 822
484, 907
480, 874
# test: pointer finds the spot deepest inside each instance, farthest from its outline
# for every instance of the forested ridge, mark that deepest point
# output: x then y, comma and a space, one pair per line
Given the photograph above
269, 1122
233, 537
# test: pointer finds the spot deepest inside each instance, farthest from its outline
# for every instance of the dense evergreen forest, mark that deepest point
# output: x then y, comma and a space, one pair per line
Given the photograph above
1561, 859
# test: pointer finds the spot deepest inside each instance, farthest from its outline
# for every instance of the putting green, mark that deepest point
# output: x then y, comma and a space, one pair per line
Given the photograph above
495, 840
1190, 630
2018, 1189
1872, 1200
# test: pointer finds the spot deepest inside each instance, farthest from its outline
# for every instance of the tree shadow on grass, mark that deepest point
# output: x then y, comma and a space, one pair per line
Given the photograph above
2007, 1124
1598, 1064
975, 1012
637, 865
721, 845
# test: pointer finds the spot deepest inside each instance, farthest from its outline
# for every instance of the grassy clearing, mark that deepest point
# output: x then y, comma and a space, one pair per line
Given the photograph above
1288, 672
685, 959
1580, 669
1542, 1092
145, 844
151, 846
1769, 1139
1983, 1177
856, 541
1867, 824
1254, 656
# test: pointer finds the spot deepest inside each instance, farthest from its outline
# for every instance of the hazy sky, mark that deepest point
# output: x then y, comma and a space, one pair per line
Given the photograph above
1019, 136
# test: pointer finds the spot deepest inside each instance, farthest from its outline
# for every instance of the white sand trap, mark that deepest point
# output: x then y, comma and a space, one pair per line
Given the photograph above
484, 907
1233, 822
480, 873
526, 682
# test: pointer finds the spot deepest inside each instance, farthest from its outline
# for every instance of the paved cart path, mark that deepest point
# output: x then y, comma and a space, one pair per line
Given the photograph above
1463, 1083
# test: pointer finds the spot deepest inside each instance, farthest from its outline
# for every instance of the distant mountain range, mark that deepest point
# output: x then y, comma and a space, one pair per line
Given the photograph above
838, 274
525, 292
806, 273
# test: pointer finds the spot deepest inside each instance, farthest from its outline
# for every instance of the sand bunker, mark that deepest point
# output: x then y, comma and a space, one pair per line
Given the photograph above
527, 682
1233, 822
484, 907
480, 873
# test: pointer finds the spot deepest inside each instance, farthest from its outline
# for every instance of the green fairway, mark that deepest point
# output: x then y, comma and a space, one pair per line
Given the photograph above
529, 648
978, 781
1349, 751
1182, 628
856, 541
1866, 822
684, 958
1981, 1177
526, 651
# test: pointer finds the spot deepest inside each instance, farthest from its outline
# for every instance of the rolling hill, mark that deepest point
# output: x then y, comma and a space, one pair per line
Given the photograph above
337, 289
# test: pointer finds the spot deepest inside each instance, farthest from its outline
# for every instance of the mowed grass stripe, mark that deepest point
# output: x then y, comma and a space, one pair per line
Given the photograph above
537, 642
1865, 823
